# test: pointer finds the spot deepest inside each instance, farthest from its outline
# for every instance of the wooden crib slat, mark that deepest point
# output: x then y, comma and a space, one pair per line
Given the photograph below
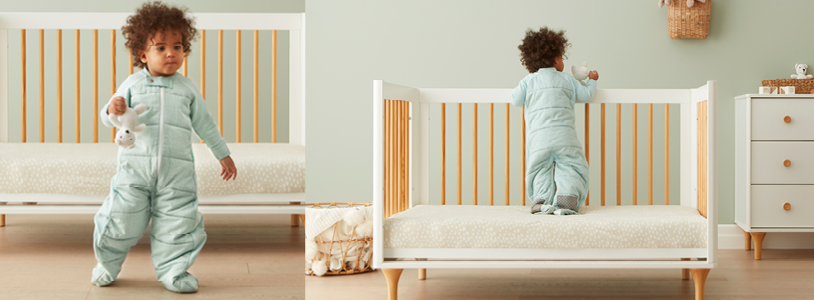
274, 86
220, 82
203, 67
474, 154
95, 85
443, 153
402, 181
666, 154
702, 157
406, 155
650, 157
237, 85
130, 64
459, 154
397, 157
59, 85
602, 154
185, 66
491, 154
23, 82
507, 154
635, 147
76, 89
255, 84
587, 145
112, 74
523, 155
42, 86
618, 154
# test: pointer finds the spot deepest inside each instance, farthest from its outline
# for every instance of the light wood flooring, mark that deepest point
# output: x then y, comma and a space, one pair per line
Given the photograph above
245, 257
782, 274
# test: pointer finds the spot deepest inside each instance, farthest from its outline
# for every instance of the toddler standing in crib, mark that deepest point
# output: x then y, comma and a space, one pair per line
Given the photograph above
156, 179
554, 153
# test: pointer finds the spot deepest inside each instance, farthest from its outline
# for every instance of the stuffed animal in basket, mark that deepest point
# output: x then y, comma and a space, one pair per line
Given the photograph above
128, 125
580, 73
801, 72
690, 3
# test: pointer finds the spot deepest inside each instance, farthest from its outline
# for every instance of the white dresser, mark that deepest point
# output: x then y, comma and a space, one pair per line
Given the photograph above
774, 165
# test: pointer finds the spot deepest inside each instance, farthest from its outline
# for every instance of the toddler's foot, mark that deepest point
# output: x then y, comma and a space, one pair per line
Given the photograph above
100, 276
563, 211
185, 283
567, 202
542, 209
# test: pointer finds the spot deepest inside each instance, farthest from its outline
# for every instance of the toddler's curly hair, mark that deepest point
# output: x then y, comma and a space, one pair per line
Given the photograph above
154, 17
540, 48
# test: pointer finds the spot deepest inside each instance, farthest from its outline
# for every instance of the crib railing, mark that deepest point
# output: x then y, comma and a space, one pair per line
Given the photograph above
406, 128
111, 21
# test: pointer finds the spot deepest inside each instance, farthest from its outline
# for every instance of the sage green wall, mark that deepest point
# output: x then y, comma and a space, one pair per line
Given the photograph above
86, 70
473, 44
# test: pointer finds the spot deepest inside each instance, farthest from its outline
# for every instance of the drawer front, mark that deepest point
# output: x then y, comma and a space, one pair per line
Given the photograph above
769, 162
769, 119
768, 201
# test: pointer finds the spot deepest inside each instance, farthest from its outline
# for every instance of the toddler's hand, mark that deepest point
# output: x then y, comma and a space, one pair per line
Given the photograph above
117, 106
228, 170
593, 75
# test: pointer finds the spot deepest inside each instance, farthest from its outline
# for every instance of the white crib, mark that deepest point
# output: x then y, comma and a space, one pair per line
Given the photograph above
59, 190
410, 233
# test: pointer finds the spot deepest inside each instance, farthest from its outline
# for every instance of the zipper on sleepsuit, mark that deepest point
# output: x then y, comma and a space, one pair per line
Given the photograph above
160, 133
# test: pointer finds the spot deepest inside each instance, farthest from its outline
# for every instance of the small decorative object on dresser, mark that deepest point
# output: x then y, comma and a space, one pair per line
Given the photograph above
801, 86
774, 185
688, 19
801, 72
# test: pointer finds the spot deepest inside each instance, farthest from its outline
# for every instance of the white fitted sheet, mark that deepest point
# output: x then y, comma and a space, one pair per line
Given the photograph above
468, 226
86, 169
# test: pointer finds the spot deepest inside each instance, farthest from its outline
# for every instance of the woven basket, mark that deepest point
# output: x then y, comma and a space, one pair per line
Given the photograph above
352, 264
688, 22
801, 86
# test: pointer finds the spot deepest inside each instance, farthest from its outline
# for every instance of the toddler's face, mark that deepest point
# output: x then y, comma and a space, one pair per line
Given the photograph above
164, 53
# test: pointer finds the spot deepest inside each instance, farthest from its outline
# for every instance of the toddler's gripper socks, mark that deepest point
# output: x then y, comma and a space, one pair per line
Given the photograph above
185, 283
542, 209
100, 277
568, 203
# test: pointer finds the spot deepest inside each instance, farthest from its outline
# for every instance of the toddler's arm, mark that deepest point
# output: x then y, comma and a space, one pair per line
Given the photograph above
119, 100
587, 92
204, 125
519, 94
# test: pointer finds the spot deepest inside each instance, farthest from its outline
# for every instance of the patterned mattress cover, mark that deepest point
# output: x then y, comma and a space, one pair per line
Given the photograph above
86, 169
468, 226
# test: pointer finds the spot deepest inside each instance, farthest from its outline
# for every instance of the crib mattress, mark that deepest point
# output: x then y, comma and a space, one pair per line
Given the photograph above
86, 169
467, 226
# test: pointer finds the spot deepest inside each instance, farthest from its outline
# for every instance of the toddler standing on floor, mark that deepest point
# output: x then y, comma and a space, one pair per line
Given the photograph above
554, 153
156, 179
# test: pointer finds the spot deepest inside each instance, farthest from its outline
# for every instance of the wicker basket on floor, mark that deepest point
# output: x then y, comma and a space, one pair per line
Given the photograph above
688, 22
801, 86
358, 263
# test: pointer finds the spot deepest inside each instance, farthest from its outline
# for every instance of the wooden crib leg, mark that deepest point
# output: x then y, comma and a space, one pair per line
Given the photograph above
699, 276
758, 237
685, 273
392, 277
295, 220
747, 245
422, 274
2, 220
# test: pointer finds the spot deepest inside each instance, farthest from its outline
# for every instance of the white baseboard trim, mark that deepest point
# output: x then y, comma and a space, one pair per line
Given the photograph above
730, 236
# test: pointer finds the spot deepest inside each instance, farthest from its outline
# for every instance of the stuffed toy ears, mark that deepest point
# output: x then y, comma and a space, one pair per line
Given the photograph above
115, 120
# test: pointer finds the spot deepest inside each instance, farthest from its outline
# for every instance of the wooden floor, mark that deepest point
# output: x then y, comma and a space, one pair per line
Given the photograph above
782, 274
245, 257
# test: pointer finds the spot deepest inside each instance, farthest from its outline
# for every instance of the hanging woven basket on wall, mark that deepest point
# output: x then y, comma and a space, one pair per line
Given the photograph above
688, 22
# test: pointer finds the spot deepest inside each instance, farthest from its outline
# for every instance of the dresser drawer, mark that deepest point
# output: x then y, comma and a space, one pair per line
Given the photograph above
769, 161
768, 201
769, 119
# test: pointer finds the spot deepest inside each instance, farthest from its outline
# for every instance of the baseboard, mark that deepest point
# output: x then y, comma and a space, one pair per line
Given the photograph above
730, 236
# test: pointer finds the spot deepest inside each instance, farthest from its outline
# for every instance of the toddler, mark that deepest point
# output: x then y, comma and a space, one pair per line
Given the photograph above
557, 173
156, 179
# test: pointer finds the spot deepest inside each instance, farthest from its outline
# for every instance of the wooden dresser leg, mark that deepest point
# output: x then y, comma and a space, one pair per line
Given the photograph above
748, 241
758, 237
699, 276
295, 219
392, 277
2, 220
422, 274
685, 273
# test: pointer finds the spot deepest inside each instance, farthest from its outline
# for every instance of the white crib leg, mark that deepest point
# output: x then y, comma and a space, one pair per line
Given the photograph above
295, 219
685, 273
699, 276
392, 277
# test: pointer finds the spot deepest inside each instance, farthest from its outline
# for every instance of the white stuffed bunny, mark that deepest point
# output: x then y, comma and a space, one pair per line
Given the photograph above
128, 125
580, 73
801, 72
